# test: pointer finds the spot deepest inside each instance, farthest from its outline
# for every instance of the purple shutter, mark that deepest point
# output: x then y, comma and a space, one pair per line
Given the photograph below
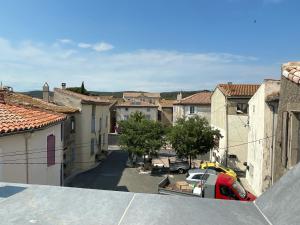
51, 150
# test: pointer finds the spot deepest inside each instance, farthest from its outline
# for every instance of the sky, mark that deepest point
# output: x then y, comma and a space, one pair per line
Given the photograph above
157, 45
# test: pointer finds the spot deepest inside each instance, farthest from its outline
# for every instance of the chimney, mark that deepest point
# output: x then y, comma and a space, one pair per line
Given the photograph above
46, 92
179, 96
63, 86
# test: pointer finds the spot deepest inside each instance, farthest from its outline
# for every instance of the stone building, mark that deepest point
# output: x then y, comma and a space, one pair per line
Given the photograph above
287, 147
165, 113
152, 98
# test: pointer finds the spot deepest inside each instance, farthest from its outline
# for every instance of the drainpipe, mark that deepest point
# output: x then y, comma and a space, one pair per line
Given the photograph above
227, 129
26, 137
272, 144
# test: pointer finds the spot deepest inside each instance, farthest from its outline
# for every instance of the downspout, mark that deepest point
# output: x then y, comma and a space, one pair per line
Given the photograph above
26, 137
227, 129
272, 144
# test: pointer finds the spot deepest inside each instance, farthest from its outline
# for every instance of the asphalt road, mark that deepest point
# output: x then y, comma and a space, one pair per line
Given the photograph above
112, 174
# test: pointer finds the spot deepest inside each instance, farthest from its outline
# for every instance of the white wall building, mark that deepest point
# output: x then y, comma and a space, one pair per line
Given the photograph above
92, 124
126, 108
263, 110
229, 114
31, 145
196, 104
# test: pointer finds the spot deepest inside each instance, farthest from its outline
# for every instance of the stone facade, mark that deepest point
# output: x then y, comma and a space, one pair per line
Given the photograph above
287, 147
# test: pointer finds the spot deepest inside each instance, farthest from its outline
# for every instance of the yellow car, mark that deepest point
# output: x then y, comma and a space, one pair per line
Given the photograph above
218, 168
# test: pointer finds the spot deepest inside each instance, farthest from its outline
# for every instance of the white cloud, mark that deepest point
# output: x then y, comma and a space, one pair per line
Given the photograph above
99, 47
102, 46
27, 65
84, 45
65, 41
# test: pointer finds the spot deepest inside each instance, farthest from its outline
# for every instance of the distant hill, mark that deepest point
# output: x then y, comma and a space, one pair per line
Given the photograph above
36, 94
119, 94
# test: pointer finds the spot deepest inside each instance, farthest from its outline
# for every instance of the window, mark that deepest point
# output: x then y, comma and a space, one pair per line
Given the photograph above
72, 124
92, 146
227, 192
148, 117
126, 109
73, 157
103, 140
100, 124
106, 121
242, 108
51, 150
192, 109
239, 188
201, 176
148, 109
126, 117
93, 118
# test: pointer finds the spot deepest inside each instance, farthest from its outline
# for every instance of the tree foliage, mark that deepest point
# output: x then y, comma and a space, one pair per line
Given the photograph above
141, 136
193, 136
80, 90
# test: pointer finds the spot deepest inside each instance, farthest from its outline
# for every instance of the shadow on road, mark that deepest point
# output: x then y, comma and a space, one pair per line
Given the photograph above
106, 176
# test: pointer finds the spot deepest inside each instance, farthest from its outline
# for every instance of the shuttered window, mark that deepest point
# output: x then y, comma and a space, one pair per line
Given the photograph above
51, 150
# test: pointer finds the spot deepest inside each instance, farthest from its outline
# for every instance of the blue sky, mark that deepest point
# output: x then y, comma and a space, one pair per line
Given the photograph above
157, 45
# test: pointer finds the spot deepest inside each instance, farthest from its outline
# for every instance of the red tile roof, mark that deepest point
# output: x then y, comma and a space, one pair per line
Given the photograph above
135, 104
84, 98
15, 118
167, 103
20, 99
201, 98
291, 71
244, 90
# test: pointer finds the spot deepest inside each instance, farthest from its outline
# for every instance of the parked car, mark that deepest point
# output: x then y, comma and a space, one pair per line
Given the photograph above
221, 186
218, 168
198, 175
179, 166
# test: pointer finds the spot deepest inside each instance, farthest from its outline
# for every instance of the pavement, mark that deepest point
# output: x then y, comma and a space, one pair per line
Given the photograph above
112, 174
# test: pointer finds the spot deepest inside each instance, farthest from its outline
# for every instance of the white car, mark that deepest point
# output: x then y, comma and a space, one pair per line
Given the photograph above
195, 176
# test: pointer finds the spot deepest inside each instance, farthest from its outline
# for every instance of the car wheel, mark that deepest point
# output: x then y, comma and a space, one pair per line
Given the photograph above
181, 171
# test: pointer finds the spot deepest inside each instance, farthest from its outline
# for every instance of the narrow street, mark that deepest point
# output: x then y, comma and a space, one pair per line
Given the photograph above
112, 174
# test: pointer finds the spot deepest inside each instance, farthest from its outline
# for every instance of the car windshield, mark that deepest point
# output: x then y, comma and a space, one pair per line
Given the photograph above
239, 188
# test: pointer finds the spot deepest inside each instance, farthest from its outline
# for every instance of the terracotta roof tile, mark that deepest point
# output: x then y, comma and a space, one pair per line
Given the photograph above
238, 89
84, 98
201, 98
135, 104
291, 71
167, 103
140, 94
15, 118
20, 99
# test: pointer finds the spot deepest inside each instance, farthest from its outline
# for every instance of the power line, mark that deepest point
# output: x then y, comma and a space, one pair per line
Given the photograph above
232, 146
43, 150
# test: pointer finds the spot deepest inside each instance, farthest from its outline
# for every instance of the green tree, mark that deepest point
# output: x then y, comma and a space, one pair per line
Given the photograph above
193, 136
80, 90
140, 136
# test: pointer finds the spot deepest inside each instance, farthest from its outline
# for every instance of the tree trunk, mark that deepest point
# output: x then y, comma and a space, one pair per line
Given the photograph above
190, 161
